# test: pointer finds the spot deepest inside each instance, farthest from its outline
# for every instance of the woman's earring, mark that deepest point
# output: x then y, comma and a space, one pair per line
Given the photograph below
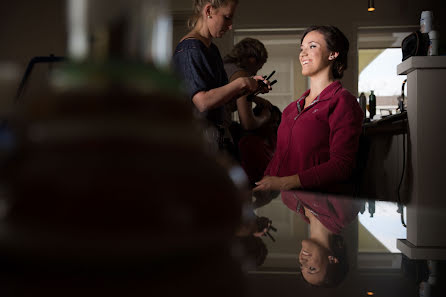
209, 17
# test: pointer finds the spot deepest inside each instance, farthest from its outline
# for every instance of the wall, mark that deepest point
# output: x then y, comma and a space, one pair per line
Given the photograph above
27, 29
31, 28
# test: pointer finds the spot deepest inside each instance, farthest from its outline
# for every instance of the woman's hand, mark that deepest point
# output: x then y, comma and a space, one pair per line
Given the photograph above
261, 232
264, 85
251, 85
274, 183
248, 85
268, 183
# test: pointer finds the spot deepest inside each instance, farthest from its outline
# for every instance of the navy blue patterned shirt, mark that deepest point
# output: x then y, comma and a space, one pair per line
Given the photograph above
202, 70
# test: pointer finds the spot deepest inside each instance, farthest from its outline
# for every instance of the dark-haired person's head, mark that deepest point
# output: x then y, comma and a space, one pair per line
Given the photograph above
255, 250
322, 267
271, 126
332, 47
249, 54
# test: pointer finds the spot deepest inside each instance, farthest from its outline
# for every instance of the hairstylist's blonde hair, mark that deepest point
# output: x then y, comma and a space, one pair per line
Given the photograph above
198, 6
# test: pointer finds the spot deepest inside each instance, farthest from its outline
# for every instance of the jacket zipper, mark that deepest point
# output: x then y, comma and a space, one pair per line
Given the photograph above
300, 112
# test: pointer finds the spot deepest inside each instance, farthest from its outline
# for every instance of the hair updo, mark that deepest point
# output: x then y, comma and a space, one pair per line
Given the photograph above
336, 42
245, 49
198, 6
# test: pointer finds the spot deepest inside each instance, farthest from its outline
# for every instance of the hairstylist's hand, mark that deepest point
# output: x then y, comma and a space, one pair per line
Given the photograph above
264, 85
248, 84
260, 233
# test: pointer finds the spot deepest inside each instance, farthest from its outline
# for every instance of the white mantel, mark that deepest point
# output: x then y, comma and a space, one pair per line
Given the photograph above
421, 62
426, 163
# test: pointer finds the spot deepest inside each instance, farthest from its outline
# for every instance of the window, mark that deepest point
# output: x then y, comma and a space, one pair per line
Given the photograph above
380, 76
378, 56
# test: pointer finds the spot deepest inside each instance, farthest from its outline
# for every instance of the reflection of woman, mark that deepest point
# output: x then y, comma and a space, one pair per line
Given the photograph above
319, 133
199, 62
323, 258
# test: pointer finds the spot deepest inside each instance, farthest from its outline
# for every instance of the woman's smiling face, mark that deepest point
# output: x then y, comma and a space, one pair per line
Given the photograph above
314, 55
314, 260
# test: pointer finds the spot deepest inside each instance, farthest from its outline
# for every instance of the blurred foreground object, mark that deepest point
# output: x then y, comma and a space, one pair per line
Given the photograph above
109, 188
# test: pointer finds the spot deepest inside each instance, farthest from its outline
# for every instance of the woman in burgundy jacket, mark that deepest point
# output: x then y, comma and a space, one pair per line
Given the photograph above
317, 143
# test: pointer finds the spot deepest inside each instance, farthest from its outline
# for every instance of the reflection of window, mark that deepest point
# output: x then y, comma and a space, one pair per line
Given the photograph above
379, 227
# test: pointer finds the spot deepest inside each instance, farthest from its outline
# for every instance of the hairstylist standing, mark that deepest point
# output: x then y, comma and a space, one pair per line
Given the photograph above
199, 61
318, 137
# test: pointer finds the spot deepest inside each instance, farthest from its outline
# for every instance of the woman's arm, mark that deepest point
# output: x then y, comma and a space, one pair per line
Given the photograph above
247, 118
206, 100
200, 77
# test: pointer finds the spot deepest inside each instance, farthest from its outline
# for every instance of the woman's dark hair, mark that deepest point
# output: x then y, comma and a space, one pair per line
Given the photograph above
245, 49
336, 42
336, 272
269, 129
254, 249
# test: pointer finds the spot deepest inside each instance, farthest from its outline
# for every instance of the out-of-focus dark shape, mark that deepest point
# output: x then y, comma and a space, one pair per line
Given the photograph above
50, 60
254, 251
115, 179
111, 189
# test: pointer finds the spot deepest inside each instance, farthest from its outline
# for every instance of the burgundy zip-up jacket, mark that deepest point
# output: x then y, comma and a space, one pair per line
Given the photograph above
320, 142
334, 212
